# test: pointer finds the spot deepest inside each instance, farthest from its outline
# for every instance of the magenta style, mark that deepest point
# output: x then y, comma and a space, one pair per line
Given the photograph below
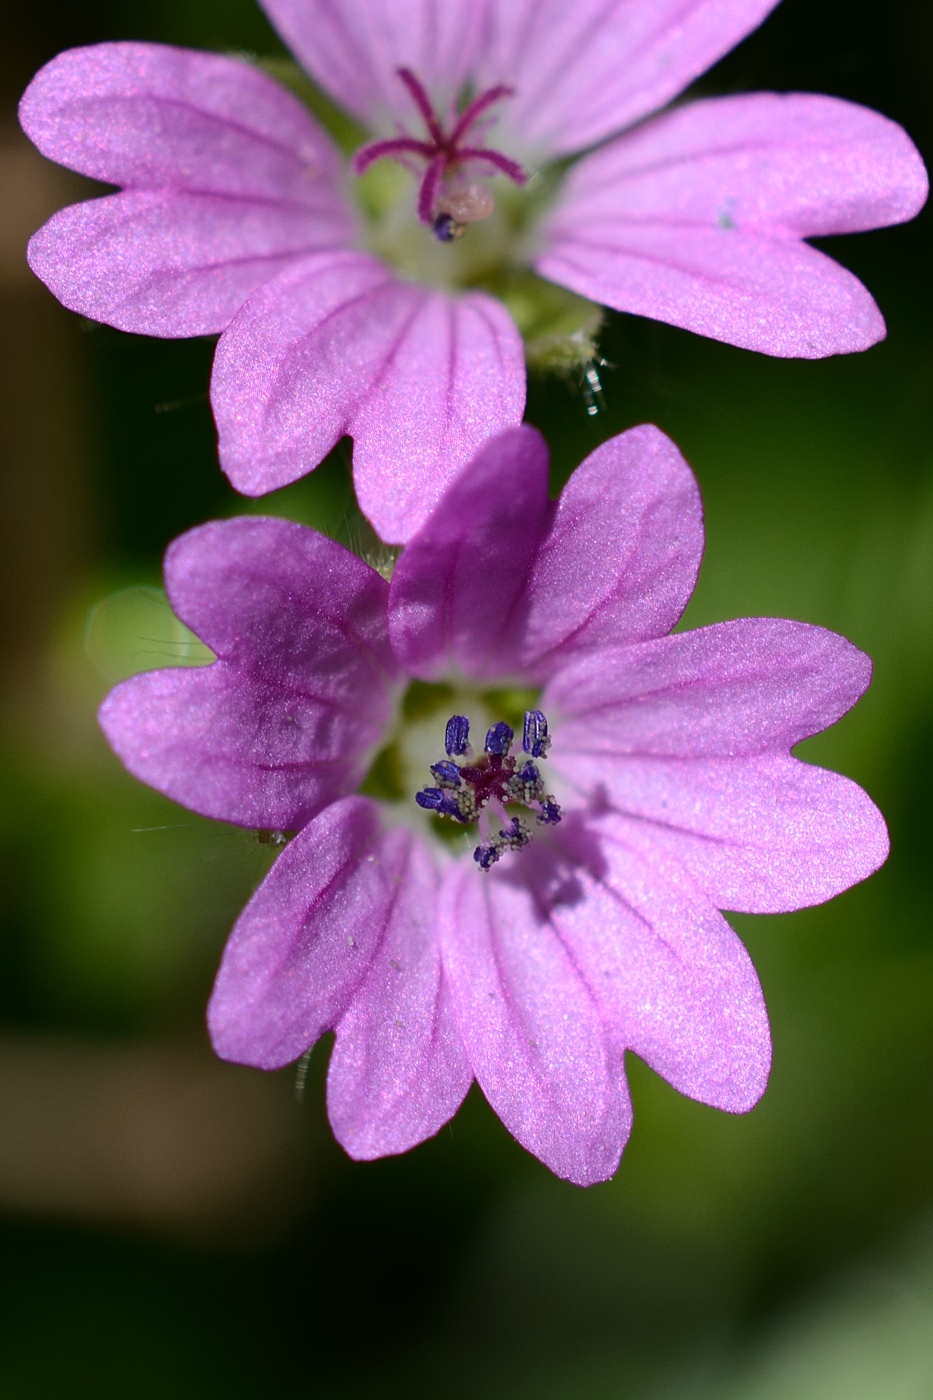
653, 778
237, 214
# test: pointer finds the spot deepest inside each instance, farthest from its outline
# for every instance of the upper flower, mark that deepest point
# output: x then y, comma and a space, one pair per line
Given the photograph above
345, 315
624, 786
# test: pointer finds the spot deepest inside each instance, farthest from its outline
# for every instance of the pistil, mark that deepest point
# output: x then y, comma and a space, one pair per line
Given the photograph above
447, 200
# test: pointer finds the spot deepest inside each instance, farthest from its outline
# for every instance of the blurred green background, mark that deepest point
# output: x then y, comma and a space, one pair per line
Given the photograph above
170, 1226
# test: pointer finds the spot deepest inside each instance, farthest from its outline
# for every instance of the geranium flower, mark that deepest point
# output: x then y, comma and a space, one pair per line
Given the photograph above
630, 784
346, 301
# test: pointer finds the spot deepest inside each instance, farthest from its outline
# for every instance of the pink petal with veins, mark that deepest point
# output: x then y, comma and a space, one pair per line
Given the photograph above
304, 943
623, 553
585, 71
614, 560
169, 264
696, 218
459, 591
399, 1071
671, 978
690, 738
757, 685
760, 835
774, 295
338, 345
150, 116
289, 715
532, 1030
354, 49
228, 179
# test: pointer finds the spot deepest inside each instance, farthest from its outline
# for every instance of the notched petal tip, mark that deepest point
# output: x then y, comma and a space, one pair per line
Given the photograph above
431, 377
532, 1031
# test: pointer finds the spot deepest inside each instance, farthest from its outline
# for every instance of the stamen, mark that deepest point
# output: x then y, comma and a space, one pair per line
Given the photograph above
535, 739
457, 736
435, 800
499, 738
464, 791
446, 228
515, 836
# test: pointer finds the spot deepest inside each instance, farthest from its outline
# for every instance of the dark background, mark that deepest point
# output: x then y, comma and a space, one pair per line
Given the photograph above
171, 1226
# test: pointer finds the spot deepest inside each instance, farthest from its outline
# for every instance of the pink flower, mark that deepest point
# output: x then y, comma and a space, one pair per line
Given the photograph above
578, 922
237, 215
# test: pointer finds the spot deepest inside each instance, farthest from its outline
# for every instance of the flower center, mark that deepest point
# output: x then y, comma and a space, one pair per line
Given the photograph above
450, 162
481, 789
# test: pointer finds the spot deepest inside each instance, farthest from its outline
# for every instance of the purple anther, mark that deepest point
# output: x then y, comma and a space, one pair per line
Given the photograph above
445, 228
535, 740
499, 738
457, 736
435, 800
550, 813
486, 856
446, 772
515, 834
529, 774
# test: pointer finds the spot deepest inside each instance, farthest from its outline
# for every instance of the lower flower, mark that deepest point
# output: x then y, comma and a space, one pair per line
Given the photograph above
525, 911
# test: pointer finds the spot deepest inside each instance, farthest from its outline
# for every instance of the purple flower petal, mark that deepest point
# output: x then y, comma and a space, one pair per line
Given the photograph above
796, 163
148, 116
167, 263
757, 685
759, 835
672, 980
501, 583
691, 734
304, 943
230, 177
398, 1071
338, 345
622, 557
586, 70
774, 295
355, 48
288, 718
532, 1030
695, 219
581, 72
459, 592
272, 591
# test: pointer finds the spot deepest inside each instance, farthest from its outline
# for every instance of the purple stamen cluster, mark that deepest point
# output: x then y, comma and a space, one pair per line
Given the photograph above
444, 153
463, 791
